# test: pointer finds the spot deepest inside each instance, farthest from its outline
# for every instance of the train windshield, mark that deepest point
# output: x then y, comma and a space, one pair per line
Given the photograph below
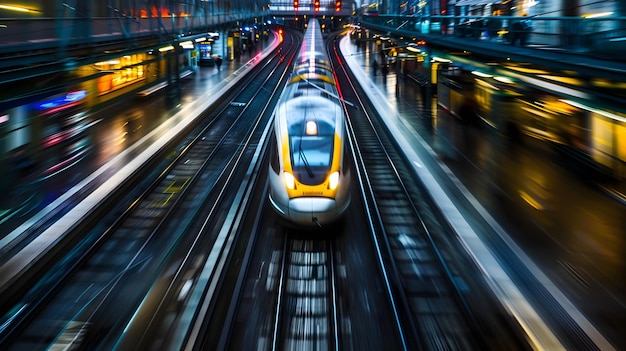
311, 157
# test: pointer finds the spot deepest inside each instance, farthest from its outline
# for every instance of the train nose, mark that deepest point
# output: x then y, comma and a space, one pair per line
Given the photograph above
312, 211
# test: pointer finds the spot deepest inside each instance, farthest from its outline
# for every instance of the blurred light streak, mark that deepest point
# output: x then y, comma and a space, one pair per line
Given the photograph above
63, 165
186, 44
566, 80
554, 87
605, 83
166, 48
505, 80
16, 8
486, 84
589, 108
439, 59
481, 74
596, 15
527, 70
185, 290
13, 316
530, 200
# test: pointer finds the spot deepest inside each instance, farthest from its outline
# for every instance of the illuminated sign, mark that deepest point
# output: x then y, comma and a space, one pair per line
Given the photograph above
58, 103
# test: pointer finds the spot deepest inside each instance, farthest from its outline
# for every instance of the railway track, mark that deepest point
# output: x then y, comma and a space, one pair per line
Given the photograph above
440, 301
398, 287
156, 234
306, 317
287, 289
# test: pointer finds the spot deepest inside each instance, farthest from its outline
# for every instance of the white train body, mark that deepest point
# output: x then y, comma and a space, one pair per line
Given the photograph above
309, 180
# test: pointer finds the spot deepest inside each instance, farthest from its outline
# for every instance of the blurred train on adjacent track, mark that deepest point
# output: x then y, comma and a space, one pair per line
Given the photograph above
308, 174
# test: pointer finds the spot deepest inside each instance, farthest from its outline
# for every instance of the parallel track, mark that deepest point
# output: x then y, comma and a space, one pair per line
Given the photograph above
98, 274
428, 278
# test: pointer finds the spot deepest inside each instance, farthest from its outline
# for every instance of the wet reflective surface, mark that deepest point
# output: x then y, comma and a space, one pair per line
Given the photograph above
554, 208
111, 130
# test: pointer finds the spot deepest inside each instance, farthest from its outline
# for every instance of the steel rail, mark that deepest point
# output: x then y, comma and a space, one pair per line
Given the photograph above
188, 336
180, 159
389, 231
356, 155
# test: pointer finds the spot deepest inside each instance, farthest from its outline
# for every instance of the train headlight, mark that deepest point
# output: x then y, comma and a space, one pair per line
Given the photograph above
333, 180
290, 181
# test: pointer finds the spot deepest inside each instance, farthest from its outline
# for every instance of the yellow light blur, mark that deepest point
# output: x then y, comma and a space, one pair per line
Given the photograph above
486, 84
290, 181
166, 48
110, 62
413, 48
554, 87
16, 8
528, 70
311, 128
596, 15
601, 112
333, 180
433, 73
604, 83
530, 200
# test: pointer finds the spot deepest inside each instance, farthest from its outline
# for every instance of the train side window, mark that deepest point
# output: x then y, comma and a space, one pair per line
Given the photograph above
346, 152
274, 160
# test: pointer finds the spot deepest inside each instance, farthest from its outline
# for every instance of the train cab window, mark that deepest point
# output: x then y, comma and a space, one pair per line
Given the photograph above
311, 152
311, 157
314, 150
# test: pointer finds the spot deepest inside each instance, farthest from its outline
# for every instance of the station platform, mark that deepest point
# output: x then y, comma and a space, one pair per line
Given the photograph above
124, 128
519, 192
124, 136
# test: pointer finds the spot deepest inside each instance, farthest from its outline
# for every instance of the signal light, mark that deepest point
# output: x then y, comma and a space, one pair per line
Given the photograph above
337, 5
316, 5
295, 5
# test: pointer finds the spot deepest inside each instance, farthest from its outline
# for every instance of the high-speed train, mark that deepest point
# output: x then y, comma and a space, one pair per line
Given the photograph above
308, 174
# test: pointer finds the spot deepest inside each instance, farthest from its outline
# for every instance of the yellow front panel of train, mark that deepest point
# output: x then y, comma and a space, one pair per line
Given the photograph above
296, 189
